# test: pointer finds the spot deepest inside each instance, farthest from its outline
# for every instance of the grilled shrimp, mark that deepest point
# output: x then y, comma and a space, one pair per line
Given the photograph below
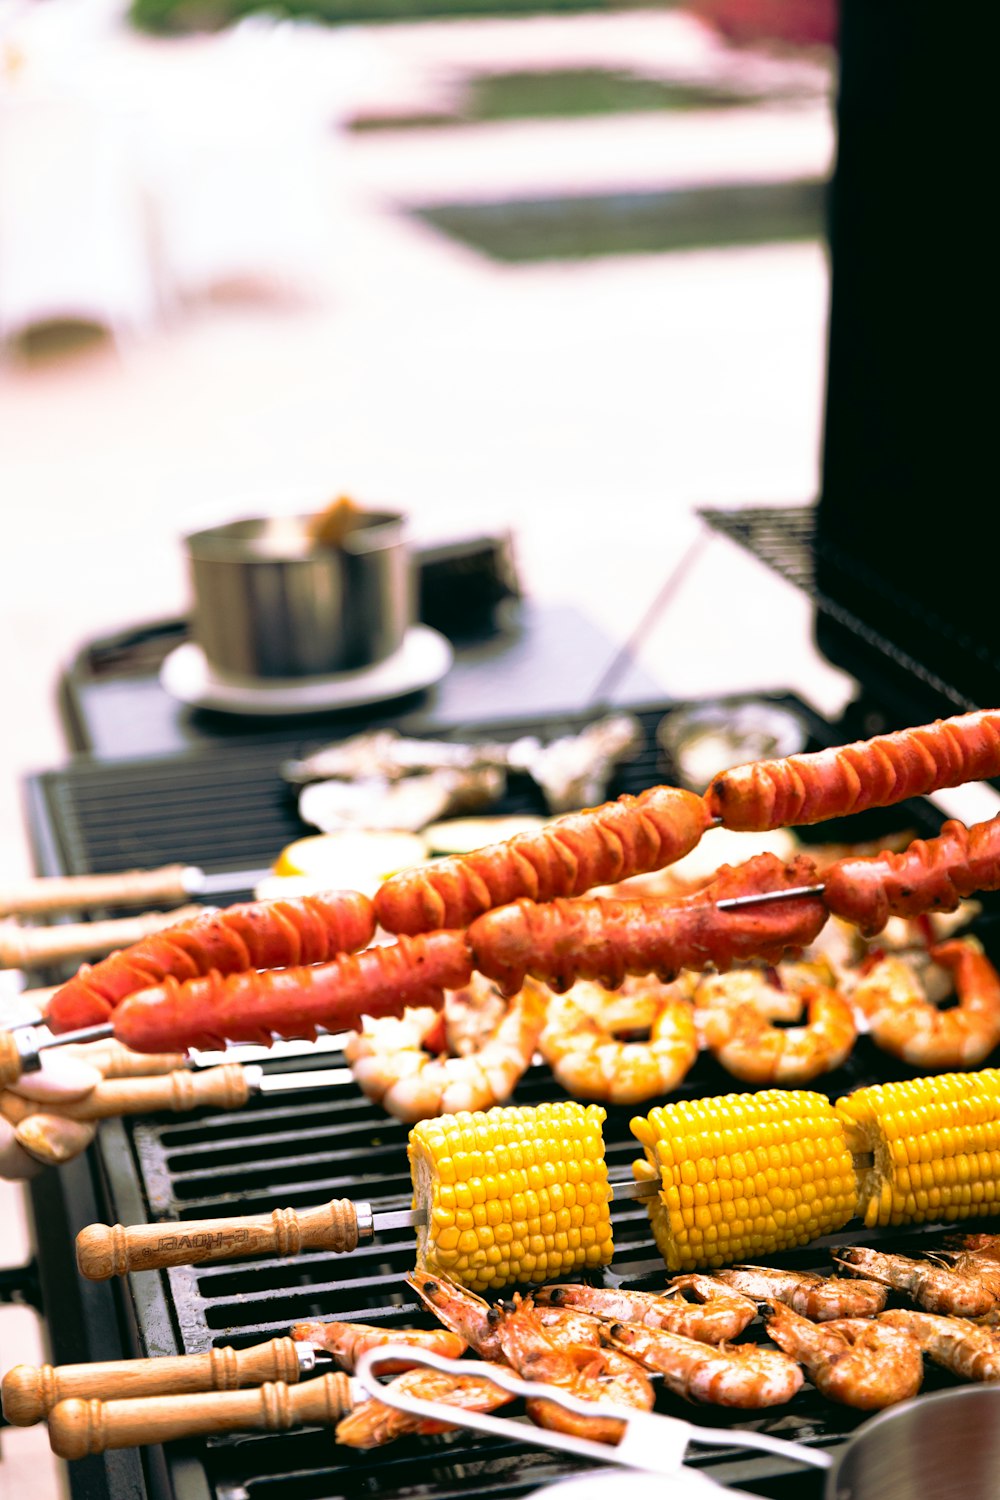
904, 1022
817, 1297
588, 1373
471, 1015
857, 1361
937, 1289
567, 1326
348, 1341
718, 1314
985, 1245
773, 993
985, 1268
394, 1068
591, 1063
968, 1350
743, 1375
471, 1317
373, 1422
750, 1047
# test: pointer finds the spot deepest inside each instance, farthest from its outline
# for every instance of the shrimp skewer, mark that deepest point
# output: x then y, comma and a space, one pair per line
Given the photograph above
348, 1341
591, 1063
856, 1361
718, 1314
373, 1422
905, 1023
754, 1050
968, 1350
752, 986
393, 1068
937, 1289
589, 1373
819, 1298
741, 1375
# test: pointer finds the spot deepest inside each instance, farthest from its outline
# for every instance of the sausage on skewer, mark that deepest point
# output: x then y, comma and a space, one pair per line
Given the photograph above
605, 939
569, 856
252, 935
560, 942
929, 875
213, 1009
870, 773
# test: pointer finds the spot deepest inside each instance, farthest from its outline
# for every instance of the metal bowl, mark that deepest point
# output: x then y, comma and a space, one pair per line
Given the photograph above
269, 603
944, 1446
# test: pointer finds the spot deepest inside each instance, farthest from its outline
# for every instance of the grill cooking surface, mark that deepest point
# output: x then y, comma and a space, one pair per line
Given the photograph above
232, 811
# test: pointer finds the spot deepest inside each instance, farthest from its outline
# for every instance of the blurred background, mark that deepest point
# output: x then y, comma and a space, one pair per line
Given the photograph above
560, 275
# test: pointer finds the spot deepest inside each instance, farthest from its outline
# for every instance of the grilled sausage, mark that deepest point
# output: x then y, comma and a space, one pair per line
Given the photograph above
871, 773
252, 935
563, 941
251, 1007
566, 858
930, 875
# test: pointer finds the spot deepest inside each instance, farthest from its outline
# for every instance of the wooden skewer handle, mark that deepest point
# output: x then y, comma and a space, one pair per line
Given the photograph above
225, 1087
31, 898
34, 947
106, 1250
30, 1391
78, 1428
115, 1060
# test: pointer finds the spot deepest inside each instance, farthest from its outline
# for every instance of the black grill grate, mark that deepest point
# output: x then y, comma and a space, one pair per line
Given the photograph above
227, 811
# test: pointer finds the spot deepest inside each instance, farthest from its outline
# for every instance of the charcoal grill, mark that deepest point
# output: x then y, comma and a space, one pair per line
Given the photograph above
229, 809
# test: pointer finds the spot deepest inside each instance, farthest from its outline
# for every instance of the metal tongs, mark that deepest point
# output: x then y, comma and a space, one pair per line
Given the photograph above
651, 1442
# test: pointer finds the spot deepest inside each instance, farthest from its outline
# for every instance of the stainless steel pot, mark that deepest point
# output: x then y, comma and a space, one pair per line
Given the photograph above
944, 1446
268, 603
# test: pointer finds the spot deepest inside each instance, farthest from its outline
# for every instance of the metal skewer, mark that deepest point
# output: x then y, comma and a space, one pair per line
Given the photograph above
21, 1048
756, 898
41, 895
106, 1250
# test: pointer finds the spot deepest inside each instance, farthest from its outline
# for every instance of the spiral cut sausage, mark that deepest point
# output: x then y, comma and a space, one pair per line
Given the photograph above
252, 935
571, 855
251, 1007
871, 773
929, 875
563, 941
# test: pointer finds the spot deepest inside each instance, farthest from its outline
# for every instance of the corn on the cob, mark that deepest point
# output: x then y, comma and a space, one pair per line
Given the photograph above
936, 1146
512, 1194
744, 1175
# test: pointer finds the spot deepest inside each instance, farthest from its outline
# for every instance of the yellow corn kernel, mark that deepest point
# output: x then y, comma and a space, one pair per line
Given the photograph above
512, 1194
930, 1147
777, 1166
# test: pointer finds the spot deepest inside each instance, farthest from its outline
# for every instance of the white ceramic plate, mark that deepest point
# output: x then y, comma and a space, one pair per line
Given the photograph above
422, 660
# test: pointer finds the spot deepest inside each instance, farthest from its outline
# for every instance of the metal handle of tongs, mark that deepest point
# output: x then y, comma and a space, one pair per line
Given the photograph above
651, 1442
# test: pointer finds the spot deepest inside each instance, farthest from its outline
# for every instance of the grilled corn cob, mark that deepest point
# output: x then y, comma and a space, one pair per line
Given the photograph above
936, 1147
512, 1194
743, 1175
